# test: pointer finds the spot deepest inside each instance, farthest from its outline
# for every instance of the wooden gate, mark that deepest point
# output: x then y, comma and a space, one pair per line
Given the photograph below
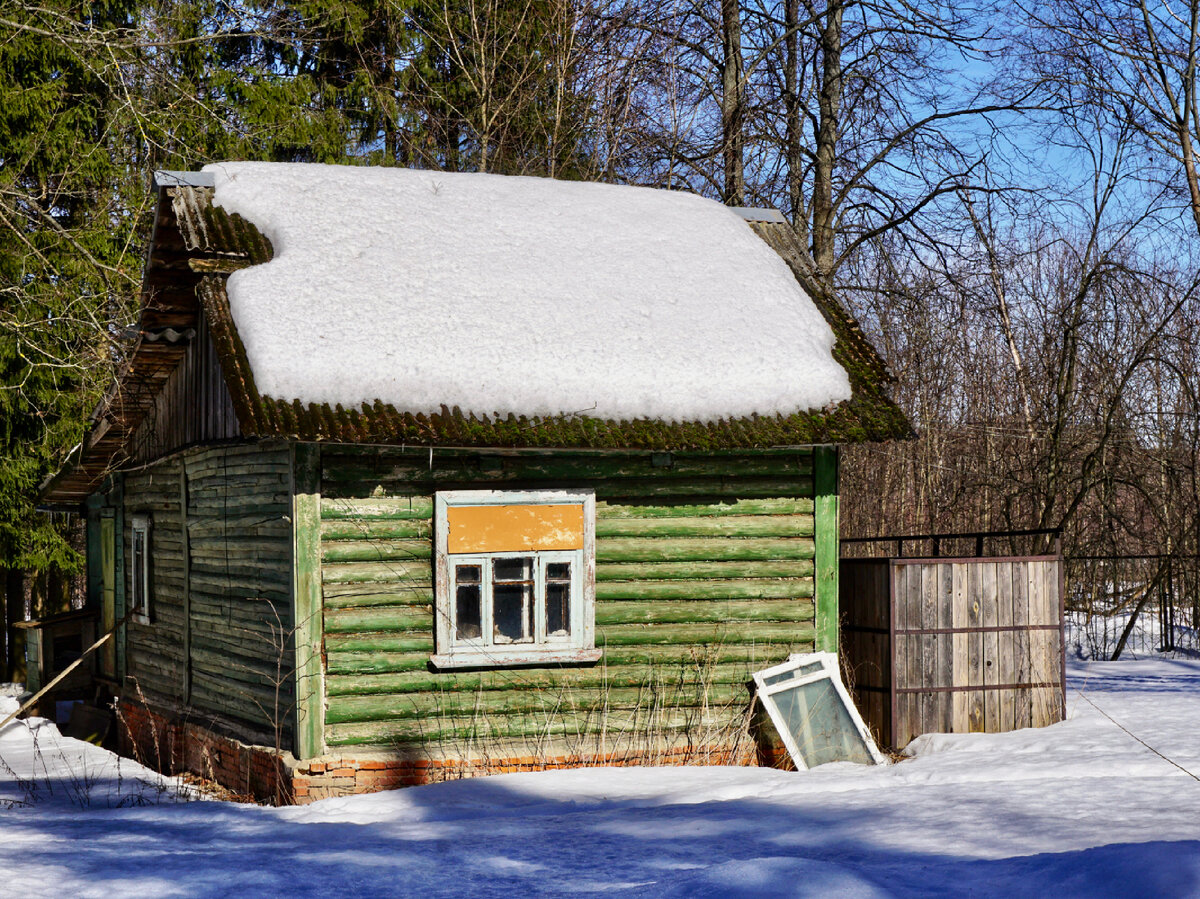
954, 645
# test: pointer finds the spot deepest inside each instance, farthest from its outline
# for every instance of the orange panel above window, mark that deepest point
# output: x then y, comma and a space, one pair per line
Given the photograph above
516, 528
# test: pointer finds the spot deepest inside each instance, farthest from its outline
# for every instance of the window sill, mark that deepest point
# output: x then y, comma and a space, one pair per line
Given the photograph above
509, 659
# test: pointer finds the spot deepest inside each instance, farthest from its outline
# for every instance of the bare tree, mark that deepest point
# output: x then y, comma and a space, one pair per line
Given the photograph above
1137, 60
837, 112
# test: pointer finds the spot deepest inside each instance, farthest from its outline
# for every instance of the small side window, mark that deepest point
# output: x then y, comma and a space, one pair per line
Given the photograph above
139, 569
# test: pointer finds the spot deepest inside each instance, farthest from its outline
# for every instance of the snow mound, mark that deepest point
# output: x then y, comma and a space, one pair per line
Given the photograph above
40, 768
518, 295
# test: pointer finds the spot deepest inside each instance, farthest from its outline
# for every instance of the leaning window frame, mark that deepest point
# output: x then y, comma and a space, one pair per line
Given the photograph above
139, 574
483, 652
827, 662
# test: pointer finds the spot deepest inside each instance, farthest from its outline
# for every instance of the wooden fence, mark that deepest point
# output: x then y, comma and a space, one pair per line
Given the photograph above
954, 645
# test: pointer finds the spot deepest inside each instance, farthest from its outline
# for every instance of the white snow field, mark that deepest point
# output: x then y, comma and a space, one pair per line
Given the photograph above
1079, 809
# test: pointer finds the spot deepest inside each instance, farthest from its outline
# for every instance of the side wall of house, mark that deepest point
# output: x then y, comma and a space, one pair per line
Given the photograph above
706, 566
218, 642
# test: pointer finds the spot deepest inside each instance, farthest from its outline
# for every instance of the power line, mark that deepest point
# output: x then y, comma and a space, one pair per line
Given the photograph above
1135, 737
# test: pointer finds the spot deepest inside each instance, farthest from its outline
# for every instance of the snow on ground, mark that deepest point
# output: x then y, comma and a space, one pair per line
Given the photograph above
522, 295
1079, 809
40, 768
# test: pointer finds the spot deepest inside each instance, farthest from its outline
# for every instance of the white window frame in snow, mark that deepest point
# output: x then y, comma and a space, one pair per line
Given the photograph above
775, 680
488, 648
139, 568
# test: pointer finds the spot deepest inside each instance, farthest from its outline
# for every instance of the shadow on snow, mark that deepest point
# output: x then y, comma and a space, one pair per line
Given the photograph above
490, 838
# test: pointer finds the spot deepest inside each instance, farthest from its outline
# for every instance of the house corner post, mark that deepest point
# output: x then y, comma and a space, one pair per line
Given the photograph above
309, 616
825, 563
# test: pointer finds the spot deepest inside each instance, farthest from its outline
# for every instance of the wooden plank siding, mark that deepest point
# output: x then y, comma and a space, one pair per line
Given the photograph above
704, 573
154, 659
953, 645
240, 538
193, 406
866, 640
219, 638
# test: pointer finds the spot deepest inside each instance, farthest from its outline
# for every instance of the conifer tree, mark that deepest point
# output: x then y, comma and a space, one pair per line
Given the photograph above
66, 273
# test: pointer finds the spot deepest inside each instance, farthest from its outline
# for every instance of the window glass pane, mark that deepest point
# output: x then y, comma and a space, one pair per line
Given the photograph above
821, 725
512, 609
467, 603
512, 569
558, 609
559, 571
139, 568
794, 674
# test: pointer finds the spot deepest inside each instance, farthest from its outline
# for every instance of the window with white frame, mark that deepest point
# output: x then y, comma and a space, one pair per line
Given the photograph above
813, 713
515, 577
139, 568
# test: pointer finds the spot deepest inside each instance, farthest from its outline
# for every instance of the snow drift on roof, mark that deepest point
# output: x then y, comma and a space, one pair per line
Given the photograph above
525, 295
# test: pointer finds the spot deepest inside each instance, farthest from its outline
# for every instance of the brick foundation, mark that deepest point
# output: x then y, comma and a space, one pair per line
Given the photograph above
322, 778
174, 746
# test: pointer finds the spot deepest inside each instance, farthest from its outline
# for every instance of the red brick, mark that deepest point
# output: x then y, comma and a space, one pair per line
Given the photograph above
179, 745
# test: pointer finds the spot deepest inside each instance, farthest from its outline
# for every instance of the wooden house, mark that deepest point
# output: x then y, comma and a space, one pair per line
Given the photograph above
574, 553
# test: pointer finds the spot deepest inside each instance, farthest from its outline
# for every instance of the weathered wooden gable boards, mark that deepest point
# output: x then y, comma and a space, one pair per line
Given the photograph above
194, 405
704, 572
221, 601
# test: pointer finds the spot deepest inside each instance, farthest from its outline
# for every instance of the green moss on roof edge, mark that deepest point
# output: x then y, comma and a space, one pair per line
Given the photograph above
851, 422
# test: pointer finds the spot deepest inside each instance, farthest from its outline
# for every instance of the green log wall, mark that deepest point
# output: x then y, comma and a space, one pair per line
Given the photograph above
221, 599
704, 573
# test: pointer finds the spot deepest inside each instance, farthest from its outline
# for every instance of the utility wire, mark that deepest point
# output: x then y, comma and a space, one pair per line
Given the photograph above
1135, 737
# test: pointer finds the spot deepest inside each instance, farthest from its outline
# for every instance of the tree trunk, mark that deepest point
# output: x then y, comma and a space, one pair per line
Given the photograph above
829, 107
1190, 174
733, 105
795, 163
1187, 113
14, 611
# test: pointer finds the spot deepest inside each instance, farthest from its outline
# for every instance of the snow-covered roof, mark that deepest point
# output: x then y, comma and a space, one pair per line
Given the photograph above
420, 308
517, 295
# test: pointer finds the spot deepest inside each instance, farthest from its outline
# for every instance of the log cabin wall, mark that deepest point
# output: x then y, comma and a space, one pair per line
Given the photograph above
704, 573
221, 603
153, 654
193, 406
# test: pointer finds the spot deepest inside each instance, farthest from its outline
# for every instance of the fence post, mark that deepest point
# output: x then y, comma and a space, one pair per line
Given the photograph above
1169, 642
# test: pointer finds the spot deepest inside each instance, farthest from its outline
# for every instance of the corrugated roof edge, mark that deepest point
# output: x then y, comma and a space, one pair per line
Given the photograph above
750, 214
165, 178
